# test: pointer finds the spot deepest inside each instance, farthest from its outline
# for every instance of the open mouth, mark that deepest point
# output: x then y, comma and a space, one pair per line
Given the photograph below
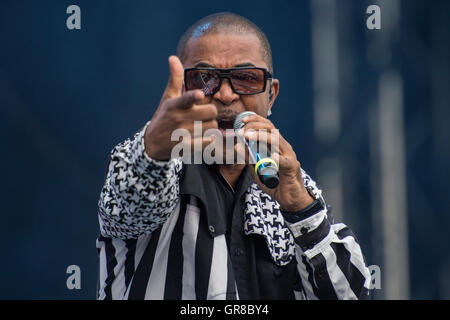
226, 126
226, 123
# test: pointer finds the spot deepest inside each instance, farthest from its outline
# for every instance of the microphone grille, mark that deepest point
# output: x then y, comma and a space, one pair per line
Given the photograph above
238, 121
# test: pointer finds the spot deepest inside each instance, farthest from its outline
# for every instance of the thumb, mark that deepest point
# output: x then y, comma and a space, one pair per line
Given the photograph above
175, 84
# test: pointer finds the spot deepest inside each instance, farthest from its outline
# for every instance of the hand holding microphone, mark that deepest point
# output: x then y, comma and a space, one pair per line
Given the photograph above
279, 173
265, 167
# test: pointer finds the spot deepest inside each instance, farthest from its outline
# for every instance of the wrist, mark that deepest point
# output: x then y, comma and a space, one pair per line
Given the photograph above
301, 203
295, 216
153, 149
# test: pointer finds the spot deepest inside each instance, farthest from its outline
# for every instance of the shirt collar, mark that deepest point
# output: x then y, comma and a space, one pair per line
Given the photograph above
201, 181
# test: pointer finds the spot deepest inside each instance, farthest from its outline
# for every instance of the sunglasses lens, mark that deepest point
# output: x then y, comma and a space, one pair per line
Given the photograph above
244, 81
205, 80
247, 81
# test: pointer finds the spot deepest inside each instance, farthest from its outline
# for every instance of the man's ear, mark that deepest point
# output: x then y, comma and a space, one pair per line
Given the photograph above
273, 92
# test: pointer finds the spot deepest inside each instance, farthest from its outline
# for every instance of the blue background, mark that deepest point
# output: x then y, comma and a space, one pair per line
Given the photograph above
67, 97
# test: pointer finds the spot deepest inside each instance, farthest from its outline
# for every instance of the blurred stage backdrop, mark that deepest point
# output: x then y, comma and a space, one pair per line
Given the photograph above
367, 112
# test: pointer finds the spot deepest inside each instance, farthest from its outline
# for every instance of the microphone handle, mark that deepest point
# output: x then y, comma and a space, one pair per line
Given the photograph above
252, 146
265, 168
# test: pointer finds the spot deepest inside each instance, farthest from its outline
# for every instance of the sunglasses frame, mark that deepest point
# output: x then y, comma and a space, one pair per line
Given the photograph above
225, 74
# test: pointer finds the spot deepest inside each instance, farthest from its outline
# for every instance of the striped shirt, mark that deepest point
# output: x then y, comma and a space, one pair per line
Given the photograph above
163, 235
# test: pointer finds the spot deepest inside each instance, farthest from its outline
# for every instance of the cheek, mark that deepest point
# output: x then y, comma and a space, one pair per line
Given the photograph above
257, 104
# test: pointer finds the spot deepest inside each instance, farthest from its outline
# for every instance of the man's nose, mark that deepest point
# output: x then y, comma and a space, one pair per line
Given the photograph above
225, 93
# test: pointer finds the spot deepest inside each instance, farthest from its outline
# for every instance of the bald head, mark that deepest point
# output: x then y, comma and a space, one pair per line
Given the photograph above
228, 23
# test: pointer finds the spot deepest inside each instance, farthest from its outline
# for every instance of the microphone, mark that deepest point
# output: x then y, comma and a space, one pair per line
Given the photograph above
265, 167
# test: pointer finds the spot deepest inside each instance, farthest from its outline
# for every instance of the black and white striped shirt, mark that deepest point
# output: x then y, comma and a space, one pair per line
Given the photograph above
163, 236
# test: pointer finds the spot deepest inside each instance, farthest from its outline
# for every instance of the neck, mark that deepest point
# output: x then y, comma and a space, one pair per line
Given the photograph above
232, 172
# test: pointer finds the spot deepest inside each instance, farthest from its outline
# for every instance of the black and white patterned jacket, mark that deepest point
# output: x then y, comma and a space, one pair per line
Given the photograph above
158, 242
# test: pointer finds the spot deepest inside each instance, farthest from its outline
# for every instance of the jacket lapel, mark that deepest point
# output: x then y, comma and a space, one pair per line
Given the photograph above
263, 216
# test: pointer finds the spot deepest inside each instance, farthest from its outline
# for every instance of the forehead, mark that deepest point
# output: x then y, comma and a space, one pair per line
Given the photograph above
224, 51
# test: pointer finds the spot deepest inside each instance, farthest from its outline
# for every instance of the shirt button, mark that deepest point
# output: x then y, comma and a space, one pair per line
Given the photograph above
211, 229
304, 230
238, 252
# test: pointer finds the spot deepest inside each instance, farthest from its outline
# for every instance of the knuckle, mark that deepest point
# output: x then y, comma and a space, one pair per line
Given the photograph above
213, 111
212, 124
170, 102
182, 102
185, 100
206, 112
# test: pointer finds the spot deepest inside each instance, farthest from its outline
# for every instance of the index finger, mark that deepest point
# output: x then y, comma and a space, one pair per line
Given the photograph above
188, 98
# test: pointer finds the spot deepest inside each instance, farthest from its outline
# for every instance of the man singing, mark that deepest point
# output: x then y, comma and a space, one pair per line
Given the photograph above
176, 230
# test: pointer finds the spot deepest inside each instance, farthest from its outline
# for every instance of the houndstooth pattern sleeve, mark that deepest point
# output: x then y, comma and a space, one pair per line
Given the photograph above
139, 193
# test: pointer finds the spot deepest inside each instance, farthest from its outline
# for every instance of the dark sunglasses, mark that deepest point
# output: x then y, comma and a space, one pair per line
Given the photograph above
243, 80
